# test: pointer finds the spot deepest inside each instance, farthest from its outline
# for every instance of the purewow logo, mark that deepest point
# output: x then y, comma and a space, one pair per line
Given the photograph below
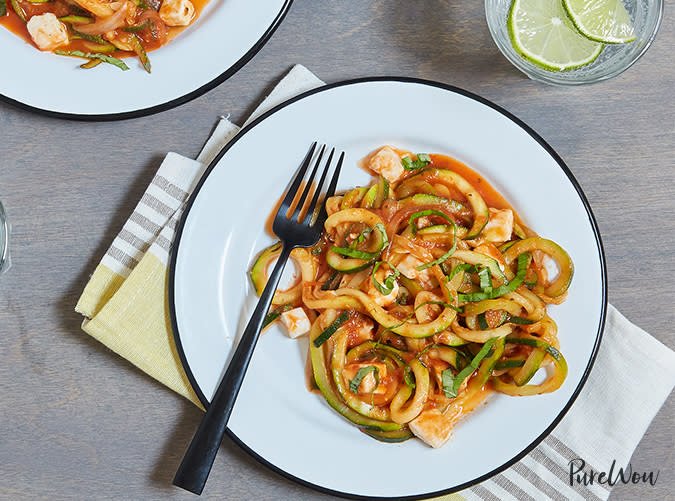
581, 476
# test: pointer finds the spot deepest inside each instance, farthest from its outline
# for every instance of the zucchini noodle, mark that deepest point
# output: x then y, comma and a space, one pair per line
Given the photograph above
426, 294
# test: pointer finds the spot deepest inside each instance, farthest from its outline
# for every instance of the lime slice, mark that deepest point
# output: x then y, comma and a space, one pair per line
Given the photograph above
542, 33
601, 20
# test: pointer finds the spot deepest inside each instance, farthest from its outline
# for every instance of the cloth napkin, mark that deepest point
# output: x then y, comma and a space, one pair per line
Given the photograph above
125, 305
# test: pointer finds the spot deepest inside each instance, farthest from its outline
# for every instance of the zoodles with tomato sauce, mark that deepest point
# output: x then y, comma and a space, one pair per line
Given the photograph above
99, 31
425, 295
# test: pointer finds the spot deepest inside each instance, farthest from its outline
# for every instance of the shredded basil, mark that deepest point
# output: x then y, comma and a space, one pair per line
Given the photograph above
3, 8
451, 383
330, 330
523, 263
333, 282
94, 55
136, 28
276, 313
485, 278
92, 38
362, 373
422, 161
387, 285
428, 212
407, 371
482, 322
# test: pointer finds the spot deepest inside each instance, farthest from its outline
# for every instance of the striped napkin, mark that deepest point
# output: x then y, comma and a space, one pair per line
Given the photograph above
125, 305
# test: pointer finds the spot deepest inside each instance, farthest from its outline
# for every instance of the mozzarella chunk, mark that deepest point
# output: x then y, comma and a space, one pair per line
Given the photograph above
368, 383
432, 427
47, 31
382, 299
500, 225
387, 163
408, 266
177, 12
296, 322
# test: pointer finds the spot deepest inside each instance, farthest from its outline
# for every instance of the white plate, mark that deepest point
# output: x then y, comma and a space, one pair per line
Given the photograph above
276, 418
224, 37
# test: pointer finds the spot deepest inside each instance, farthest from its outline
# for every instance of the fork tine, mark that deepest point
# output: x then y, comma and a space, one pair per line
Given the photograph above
308, 186
331, 189
319, 188
293, 188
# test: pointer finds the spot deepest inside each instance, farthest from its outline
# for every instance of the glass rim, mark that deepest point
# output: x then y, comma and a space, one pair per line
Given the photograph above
552, 78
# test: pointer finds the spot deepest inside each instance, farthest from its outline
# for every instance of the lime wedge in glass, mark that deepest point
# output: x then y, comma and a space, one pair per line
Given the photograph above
542, 33
601, 20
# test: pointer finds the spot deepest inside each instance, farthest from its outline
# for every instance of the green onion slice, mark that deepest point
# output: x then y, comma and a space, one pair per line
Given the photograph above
330, 330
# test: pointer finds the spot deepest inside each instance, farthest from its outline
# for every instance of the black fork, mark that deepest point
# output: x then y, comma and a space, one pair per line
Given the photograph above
301, 229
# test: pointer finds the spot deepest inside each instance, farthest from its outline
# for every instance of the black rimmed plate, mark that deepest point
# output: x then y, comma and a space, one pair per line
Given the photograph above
276, 419
225, 36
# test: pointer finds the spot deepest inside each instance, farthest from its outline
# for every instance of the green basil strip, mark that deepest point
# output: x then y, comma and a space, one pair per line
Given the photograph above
333, 282
536, 343
407, 372
85, 36
330, 330
523, 263
468, 268
360, 374
441, 303
429, 212
275, 313
509, 364
423, 159
485, 278
3, 8
520, 320
387, 286
358, 254
365, 255
136, 28
447, 254
94, 55
72, 18
451, 383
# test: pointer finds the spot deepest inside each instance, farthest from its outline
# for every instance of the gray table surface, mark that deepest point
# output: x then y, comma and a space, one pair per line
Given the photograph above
78, 421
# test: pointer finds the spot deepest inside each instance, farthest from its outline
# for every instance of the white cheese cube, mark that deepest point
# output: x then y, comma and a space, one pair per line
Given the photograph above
177, 12
500, 225
387, 163
47, 31
296, 322
432, 427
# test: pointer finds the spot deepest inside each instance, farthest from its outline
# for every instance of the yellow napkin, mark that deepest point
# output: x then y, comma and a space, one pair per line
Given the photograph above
125, 302
125, 305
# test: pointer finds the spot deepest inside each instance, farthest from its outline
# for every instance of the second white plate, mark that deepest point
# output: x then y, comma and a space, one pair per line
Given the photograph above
224, 37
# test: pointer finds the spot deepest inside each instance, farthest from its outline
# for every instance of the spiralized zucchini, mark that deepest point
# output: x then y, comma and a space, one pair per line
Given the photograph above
427, 294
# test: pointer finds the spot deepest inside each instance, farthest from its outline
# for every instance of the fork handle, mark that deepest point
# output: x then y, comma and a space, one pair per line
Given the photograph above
198, 460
